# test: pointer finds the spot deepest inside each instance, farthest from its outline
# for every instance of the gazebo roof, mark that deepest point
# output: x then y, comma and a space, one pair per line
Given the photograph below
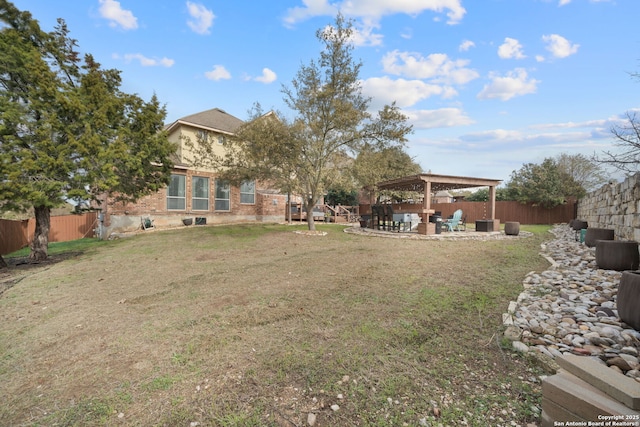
438, 182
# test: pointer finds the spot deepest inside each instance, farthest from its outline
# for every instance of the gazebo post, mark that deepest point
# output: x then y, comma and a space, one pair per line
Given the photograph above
492, 208
427, 197
426, 227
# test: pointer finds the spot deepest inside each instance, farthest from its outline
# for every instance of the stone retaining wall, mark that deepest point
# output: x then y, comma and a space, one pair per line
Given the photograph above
615, 206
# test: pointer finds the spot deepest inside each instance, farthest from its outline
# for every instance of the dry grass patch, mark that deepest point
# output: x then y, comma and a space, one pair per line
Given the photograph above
256, 325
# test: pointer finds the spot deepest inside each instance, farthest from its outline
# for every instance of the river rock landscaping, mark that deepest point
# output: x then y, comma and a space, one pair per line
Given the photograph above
571, 309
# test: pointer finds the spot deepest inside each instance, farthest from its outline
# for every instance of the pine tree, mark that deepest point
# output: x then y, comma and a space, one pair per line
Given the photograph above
66, 129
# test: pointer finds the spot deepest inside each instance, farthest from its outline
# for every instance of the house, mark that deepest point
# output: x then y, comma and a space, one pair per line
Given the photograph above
443, 196
195, 192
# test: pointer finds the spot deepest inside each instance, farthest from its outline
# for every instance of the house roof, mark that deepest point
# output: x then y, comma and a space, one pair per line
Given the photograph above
215, 119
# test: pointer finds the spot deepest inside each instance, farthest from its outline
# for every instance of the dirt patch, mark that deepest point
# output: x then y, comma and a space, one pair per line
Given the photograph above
257, 325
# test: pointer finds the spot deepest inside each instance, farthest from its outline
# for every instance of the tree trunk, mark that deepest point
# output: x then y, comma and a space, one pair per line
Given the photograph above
40, 242
289, 207
308, 206
3, 264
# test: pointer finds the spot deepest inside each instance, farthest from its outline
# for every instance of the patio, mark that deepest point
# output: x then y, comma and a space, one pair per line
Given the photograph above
429, 184
469, 234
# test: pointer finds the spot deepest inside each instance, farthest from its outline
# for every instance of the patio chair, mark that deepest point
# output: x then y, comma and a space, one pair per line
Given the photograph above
453, 222
391, 224
462, 225
377, 216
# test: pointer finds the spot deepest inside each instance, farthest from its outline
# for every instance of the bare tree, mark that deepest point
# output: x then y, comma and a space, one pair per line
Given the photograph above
627, 136
584, 171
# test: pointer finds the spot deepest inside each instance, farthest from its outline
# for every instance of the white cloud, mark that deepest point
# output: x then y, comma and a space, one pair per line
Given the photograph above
405, 93
441, 118
515, 83
559, 46
267, 76
379, 8
574, 125
218, 73
118, 17
542, 141
566, 2
436, 66
466, 45
407, 34
148, 62
363, 34
202, 18
597, 129
511, 48
494, 135
310, 9
375, 9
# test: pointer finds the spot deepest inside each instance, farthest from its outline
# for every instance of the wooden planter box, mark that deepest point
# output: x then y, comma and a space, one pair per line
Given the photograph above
426, 228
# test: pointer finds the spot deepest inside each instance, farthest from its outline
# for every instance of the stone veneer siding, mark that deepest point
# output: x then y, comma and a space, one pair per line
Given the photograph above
615, 206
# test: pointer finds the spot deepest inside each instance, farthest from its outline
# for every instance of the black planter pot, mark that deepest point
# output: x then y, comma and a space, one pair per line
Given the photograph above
617, 255
594, 234
629, 299
578, 224
511, 228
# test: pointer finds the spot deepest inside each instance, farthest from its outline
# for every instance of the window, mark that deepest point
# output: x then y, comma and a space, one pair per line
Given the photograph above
200, 193
222, 195
176, 192
222, 139
203, 136
248, 192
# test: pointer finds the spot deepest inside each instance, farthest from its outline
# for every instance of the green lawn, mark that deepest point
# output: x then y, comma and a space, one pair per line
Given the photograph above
254, 325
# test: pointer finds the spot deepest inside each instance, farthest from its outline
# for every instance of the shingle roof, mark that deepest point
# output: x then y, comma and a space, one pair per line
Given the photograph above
214, 119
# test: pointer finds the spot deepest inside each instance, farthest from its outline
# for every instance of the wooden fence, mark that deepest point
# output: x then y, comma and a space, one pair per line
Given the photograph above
510, 211
16, 235
505, 211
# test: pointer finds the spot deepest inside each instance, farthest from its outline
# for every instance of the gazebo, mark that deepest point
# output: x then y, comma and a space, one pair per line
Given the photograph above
427, 184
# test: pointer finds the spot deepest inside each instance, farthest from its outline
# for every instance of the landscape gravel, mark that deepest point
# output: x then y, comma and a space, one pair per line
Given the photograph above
571, 309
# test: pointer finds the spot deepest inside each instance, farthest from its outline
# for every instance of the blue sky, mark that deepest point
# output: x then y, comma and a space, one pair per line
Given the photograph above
489, 85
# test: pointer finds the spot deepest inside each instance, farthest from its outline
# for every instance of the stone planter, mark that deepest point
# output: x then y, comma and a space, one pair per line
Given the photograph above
511, 228
617, 255
629, 299
593, 234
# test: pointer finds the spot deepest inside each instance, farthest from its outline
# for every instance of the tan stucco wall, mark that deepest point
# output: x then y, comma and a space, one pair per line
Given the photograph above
188, 133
